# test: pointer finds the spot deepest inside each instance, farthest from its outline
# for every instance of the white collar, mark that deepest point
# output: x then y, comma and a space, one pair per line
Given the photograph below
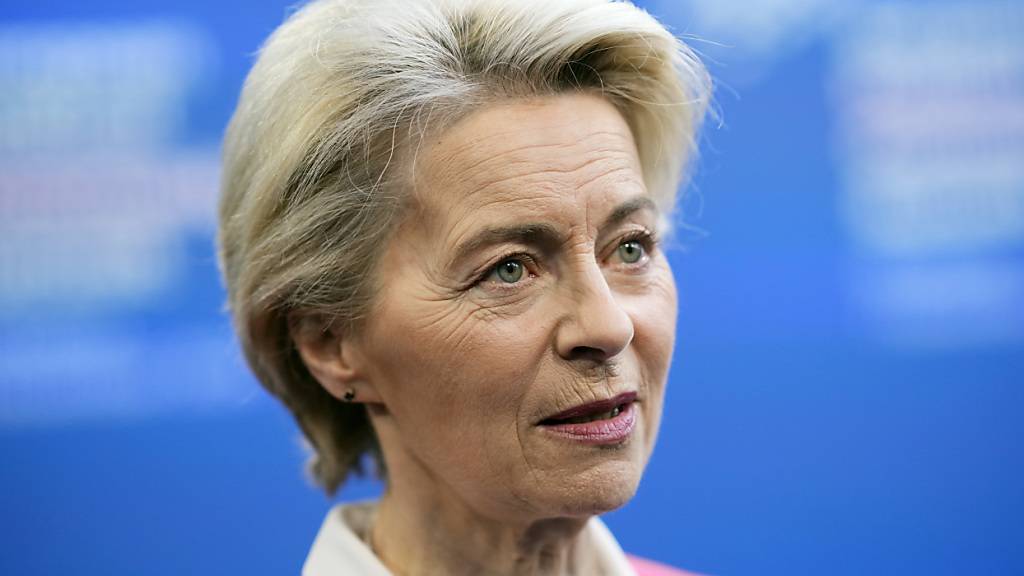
338, 548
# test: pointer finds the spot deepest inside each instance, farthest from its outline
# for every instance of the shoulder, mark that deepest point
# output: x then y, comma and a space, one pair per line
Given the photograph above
619, 562
644, 567
339, 548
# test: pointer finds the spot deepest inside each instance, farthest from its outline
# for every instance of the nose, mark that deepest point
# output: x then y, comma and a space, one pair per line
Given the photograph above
595, 327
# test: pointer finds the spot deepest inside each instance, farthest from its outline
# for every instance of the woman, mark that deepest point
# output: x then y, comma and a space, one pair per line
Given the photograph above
439, 233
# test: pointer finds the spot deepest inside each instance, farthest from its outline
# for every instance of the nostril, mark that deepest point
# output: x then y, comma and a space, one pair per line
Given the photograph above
589, 353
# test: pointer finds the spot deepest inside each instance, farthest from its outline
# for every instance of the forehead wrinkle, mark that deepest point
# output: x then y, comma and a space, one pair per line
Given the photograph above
472, 166
535, 192
554, 178
477, 159
627, 174
478, 152
473, 146
501, 200
559, 174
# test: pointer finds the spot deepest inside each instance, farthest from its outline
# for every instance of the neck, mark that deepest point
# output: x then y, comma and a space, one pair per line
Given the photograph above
420, 530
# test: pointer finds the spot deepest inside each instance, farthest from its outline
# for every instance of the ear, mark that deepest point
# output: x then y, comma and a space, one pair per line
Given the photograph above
332, 358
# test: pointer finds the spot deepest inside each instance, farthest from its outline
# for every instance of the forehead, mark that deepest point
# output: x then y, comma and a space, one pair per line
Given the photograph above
528, 158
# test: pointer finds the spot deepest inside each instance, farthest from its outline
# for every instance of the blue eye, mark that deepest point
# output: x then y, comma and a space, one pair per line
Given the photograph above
510, 271
631, 251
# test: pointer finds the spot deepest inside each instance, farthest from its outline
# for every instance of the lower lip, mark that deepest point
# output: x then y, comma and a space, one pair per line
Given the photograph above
599, 432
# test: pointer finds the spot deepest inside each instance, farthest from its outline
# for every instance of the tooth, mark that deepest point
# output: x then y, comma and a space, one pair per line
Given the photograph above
593, 417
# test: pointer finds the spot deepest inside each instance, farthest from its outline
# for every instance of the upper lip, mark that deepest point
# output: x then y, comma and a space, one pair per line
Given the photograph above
596, 407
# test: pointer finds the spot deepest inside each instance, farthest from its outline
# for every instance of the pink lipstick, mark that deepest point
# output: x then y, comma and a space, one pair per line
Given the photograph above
604, 422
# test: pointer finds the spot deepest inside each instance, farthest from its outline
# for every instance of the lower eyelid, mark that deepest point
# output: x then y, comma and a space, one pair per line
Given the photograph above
636, 266
504, 288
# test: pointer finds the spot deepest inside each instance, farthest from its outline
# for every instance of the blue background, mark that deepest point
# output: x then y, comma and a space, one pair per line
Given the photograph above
847, 391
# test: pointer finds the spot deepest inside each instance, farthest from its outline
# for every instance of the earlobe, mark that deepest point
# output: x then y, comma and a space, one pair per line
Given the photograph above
333, 360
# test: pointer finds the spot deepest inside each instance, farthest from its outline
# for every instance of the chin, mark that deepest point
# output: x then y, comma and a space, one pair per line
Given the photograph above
599, 500
597, 490
567, 478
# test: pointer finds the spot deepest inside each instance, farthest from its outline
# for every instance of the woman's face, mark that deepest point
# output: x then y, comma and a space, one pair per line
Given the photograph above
525, 281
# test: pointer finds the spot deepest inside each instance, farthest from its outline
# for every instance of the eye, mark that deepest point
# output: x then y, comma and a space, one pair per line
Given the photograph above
509, 271
630, 251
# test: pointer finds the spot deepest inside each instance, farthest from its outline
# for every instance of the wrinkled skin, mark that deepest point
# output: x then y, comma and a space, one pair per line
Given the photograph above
459, 362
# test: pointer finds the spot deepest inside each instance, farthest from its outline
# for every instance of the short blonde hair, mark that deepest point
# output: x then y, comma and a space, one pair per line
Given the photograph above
308, 200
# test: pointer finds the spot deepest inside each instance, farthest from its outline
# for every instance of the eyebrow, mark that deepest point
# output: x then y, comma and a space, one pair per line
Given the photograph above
627, 209
542, 234
538, 234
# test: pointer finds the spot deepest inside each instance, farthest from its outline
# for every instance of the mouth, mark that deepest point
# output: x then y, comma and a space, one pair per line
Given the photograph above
608, 421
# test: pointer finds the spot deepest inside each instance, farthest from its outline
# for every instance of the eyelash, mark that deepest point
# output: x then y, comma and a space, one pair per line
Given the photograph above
529, 267
644, 237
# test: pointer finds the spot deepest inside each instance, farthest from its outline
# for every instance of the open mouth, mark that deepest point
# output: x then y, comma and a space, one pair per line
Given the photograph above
603, 423
592, 412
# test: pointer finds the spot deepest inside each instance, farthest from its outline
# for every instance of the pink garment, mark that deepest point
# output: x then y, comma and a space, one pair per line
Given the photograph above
651, 568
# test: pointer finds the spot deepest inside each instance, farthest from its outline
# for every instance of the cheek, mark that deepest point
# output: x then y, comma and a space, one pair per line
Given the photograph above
452, 376
654, 314
661, 328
